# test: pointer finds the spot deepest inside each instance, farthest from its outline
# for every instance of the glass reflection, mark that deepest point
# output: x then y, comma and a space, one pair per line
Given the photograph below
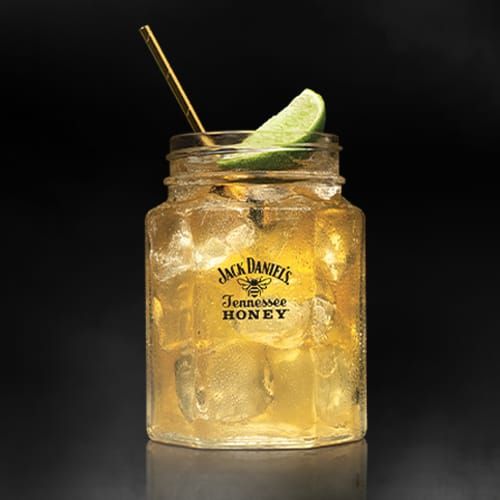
335, 472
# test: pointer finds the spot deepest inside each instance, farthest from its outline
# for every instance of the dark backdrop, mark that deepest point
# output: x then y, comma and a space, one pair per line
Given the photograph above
411, 88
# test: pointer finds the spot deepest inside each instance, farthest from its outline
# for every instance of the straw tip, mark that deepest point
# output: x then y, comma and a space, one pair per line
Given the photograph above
145, 32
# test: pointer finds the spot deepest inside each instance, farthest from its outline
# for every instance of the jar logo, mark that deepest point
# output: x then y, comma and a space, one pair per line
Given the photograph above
255, 266
254, 286
254, 276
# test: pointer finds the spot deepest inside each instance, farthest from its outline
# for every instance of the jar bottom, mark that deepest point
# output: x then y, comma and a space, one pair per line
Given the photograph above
255, 442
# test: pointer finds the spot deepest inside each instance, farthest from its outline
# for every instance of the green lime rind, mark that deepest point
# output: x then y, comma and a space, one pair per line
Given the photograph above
296, 124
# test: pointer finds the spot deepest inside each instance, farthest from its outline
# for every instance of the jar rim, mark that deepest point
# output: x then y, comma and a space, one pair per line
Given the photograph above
335, 137
216, 142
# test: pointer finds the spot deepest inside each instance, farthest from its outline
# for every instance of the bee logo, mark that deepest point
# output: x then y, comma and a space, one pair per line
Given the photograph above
254, 286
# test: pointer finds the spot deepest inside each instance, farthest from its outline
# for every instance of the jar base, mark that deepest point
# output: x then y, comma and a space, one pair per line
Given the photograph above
253, 442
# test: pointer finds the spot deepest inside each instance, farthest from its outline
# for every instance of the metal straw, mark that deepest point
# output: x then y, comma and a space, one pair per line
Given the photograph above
172, 80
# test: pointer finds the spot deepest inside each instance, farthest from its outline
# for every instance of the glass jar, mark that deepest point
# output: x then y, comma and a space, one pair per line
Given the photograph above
255, 272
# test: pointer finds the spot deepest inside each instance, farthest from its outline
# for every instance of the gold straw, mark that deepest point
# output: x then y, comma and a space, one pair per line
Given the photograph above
173, 82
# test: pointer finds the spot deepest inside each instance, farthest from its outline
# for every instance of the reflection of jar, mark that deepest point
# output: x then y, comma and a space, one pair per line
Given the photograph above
255, 295
336, 472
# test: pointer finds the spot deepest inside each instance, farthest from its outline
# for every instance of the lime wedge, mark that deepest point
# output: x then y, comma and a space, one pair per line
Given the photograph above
295, 124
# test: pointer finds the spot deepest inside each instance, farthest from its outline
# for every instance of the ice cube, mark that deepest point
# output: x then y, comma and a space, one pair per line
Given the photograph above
199, 241
232, 382
286, 333
172, 251
334, 383
157, 312
337, 236
216, 249
335, 255
176, 301
185, 385
323, 313
313, 317
349, 298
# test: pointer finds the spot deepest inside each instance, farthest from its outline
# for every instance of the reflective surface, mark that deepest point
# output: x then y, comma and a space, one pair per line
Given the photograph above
181, 473
124, 466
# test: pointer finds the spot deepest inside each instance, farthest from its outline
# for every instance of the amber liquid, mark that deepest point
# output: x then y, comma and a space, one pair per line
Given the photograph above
223, 372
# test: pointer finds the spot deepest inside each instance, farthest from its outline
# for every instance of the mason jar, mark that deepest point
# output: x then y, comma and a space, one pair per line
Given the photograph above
255, 269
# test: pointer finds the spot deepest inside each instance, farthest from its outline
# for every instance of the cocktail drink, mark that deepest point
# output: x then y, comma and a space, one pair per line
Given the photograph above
255, 276
256, 330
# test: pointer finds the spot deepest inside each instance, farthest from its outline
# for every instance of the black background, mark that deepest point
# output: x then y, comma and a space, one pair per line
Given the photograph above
411, 89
